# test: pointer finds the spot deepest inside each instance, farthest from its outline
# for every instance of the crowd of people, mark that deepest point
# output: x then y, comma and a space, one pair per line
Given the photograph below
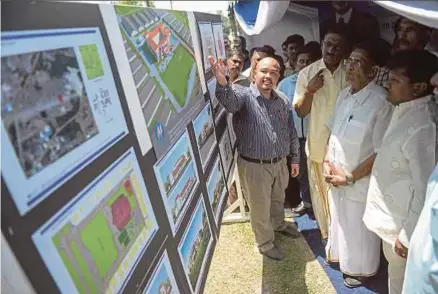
353, 122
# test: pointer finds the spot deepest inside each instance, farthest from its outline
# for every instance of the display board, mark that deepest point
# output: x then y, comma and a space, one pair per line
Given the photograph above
118, 155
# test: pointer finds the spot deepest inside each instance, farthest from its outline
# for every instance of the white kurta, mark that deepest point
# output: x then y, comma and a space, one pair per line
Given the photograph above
400, 172
398, 181
357, 126
422, 268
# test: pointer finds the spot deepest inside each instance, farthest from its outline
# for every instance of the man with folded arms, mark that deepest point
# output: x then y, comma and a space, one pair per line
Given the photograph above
266, 132
405, 159
357, 126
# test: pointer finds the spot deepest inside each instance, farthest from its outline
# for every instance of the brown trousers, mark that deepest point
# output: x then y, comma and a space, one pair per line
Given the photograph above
263, 186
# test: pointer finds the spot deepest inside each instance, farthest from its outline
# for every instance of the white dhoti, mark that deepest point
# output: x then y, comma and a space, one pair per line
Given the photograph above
350, 243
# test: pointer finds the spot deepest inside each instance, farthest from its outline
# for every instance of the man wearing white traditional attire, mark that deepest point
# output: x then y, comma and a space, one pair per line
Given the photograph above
357, 124
405, 160
421, 274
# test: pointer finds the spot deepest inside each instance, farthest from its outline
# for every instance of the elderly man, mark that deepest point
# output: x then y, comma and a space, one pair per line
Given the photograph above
306, 55
405, 160
267, 136
258, 54
316, 92
357, 126
408, 35
235, 62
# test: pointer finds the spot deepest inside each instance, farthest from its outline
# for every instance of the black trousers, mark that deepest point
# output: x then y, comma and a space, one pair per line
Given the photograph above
292, 192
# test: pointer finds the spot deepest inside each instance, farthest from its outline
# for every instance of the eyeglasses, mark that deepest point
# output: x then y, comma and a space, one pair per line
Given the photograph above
355, 63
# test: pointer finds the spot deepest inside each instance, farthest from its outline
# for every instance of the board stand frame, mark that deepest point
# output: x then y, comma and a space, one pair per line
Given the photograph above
229, 215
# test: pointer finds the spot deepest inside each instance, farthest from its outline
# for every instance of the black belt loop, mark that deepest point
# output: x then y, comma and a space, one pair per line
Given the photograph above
262, 161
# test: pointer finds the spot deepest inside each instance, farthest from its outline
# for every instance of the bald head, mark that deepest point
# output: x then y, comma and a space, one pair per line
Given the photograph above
267, 75
268, 61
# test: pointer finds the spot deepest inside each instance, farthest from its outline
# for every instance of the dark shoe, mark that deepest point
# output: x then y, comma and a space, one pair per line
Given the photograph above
300, 209
290, 231
307, 205
353, 282
274, 253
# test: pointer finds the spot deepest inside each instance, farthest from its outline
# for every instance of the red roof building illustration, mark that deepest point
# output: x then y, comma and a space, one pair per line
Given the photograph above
121, 212
158, 38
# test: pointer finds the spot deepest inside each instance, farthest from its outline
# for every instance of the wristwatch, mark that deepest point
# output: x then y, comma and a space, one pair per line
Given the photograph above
349, 180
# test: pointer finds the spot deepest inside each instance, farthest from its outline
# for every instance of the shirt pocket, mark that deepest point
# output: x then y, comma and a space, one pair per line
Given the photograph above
351, 140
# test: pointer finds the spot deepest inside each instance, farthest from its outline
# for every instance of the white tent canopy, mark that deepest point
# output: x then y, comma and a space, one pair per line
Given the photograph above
270, 13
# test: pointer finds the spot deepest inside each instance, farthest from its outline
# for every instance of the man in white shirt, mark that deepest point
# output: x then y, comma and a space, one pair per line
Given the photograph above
258, 54
316, 92
357, 126
421, 269
405, 160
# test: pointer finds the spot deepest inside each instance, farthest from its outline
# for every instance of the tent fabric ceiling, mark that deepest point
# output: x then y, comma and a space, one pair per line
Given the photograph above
268, 13
424, 12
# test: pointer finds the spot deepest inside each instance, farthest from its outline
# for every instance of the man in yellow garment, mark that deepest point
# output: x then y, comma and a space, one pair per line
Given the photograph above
317, 89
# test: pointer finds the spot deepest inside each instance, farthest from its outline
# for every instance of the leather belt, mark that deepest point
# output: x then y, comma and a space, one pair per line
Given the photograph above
262, 161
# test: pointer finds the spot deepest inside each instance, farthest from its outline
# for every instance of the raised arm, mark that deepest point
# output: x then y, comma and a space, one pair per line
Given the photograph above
304, 92
230, 99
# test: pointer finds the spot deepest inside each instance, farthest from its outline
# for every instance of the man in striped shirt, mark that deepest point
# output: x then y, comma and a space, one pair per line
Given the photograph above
265, 128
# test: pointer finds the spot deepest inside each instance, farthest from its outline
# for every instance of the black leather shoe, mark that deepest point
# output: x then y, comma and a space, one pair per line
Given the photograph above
274, 253
353, 282
290, 231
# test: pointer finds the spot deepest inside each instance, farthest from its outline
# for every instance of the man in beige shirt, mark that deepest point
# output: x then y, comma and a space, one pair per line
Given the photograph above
317, 89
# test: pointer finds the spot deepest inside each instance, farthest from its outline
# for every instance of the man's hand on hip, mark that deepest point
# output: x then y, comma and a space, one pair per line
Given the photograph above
294, 170
218, 70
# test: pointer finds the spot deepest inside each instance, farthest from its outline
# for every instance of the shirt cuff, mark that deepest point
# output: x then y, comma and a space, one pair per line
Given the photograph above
403, 238
294, 159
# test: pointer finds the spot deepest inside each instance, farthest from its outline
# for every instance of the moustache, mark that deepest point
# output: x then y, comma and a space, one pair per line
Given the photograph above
403, 41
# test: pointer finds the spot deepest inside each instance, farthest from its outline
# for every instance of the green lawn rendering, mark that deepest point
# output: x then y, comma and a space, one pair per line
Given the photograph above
177, 74
97, 237
84, 286
125, 9
182, 17
91, 59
